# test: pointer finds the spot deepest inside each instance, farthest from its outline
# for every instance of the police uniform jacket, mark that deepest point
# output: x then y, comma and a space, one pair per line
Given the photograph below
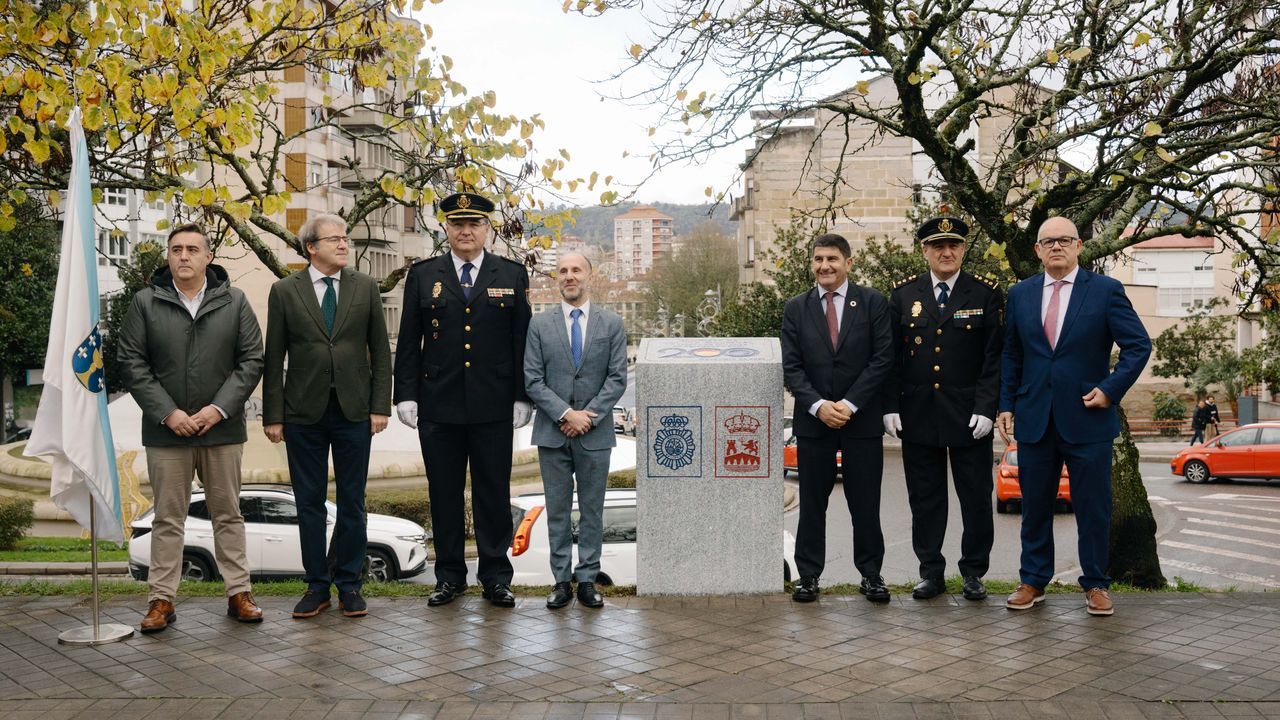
947, 362
462, 360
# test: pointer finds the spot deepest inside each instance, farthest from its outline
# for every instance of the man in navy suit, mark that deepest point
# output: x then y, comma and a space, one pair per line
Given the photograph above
837, 352
1055, 379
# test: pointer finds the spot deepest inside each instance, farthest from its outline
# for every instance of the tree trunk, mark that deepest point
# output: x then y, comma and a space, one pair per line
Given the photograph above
1134, 559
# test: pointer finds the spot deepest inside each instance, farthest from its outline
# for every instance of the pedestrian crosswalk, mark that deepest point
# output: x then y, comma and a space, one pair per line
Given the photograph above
1224, 539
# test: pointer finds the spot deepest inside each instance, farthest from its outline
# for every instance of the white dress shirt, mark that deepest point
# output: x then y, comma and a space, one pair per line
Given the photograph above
842, 292
567, 309
317, 283
475, 270
951, 283
1064, 297
192, 304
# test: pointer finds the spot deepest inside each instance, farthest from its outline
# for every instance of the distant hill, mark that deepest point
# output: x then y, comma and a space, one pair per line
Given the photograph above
595, 223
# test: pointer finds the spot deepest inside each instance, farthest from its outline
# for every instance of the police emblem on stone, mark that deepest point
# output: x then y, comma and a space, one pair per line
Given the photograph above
86, 362
673, 445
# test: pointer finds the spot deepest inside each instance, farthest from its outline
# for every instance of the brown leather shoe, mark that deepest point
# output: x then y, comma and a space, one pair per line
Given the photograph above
159, 615
1025, 597
1098, 602
242, 607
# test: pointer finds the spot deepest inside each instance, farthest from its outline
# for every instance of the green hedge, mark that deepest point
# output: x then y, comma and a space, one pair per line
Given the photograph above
622, 479
413, 505
17, 515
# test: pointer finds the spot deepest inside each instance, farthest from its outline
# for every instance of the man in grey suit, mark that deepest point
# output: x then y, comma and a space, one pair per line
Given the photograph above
575, 369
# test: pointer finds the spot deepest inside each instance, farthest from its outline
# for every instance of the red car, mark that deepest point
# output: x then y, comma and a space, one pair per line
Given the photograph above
1008, 491
1251, 451
789, 462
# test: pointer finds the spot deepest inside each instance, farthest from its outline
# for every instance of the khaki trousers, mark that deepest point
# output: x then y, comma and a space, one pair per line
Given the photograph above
171, 469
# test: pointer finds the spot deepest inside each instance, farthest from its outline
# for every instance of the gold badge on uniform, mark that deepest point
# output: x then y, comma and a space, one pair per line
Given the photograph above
916, 308
435, 289
944, 226
918, 340
464, 202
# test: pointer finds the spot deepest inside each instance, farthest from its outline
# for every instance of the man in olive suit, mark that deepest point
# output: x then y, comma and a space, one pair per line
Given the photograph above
327, 321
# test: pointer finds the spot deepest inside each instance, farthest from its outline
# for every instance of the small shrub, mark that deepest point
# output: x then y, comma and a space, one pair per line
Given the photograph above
622, 479
413, 505
1168, 414
17, 515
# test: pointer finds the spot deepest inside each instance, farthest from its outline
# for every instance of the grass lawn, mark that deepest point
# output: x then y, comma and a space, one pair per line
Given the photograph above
61, 549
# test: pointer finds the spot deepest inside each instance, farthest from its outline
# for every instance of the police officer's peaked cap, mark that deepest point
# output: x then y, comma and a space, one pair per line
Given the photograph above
943, 228
466, 205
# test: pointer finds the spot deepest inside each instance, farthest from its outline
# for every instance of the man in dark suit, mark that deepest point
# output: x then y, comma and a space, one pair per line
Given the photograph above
575, 369
941, 399
327, 322
1055, 379
837, 351
460, 370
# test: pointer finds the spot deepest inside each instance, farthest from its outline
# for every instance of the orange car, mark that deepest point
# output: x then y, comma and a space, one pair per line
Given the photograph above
1251, 451
1007, 489
789, 462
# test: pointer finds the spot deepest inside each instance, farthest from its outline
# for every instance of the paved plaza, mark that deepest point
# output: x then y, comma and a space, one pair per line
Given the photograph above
1161, 655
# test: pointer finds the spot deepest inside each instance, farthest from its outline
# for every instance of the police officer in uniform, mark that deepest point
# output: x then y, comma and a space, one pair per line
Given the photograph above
942, 401
459, 378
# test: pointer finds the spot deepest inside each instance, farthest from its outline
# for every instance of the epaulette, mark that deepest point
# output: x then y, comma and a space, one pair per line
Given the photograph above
988, 280
419, 261
904, 281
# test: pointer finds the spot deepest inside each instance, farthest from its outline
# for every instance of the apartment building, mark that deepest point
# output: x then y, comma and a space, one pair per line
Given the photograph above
641, 235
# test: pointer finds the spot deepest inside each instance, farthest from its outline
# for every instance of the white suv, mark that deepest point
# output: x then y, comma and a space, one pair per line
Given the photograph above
530, 549
397, 547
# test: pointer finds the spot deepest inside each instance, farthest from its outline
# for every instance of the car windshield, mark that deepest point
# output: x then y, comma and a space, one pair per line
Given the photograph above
1011, 458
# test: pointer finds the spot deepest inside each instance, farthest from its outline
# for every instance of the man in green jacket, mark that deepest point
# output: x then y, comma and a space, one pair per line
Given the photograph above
327, 320
192, 353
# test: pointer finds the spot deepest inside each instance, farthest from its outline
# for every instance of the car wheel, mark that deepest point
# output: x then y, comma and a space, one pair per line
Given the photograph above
603, 579
196, 567
1002, 507
1196, 472
786, 572
379, 566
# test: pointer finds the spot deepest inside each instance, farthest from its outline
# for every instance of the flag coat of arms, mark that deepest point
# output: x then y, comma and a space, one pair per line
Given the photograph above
71, 429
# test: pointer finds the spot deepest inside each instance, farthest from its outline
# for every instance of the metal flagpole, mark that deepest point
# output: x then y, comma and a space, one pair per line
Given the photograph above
97, 633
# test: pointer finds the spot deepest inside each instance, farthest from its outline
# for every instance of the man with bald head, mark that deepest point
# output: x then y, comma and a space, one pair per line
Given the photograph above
575, 369
1056, 382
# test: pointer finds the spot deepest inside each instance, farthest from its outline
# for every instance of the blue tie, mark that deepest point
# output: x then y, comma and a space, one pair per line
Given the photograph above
466, 280
942, 293
575, 338
329, 305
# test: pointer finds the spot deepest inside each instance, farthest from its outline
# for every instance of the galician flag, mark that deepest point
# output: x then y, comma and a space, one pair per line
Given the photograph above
71, 430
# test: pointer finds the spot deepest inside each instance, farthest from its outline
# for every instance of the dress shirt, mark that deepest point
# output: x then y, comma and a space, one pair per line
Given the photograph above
567, 309
192, 304
1064, 298
951, 283
475, 266
317, 283
842, 293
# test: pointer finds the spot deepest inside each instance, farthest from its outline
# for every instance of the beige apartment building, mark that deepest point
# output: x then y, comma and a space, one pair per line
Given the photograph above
641, 235
880, 178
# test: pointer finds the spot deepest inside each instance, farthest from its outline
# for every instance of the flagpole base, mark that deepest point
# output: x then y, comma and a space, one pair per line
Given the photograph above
107, 633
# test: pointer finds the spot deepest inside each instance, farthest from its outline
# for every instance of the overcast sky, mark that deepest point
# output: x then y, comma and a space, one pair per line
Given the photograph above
539, 59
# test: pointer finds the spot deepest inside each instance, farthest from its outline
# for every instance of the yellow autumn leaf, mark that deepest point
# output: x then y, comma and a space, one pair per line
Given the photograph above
1079, 54
1152, 129
995, 250
708, 191
862, 87
545, 242
1142, 39
914, 78
636, 51
652, 130
39, 150
1165, 155
55, 199
1052, 57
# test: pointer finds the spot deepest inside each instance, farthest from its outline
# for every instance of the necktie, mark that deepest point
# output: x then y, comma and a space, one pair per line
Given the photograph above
833, 325
329, 305
575, 338
942, 294
466, 280
1051, 315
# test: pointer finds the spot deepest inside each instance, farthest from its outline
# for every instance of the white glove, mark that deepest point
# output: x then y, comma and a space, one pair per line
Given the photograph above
407, 411
892, 424
521, 414
981, 426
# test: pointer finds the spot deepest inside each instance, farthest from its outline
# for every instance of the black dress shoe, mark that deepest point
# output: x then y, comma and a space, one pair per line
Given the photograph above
928, 588
352, 604
874, 588
446, 592
560, 595
499, 594
974, 589
589, 596
806, 590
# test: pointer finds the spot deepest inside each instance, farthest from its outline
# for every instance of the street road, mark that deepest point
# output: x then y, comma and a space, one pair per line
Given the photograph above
1217, 535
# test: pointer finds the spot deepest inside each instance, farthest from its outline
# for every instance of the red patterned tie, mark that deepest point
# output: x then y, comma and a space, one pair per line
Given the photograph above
1051, 315
833, 326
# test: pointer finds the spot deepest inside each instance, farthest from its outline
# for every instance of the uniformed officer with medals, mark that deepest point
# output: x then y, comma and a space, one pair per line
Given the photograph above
459, 378
942, 401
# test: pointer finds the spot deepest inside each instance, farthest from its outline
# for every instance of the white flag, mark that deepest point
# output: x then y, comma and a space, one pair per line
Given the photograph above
72, 430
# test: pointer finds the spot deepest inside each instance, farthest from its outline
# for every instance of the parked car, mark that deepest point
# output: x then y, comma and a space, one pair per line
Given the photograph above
623, 421
791, 464
1251, 451
530, 549
1009, 492
397, 547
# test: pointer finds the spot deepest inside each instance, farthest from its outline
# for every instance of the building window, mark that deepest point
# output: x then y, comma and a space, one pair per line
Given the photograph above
1178, 301
112, 248
115, 196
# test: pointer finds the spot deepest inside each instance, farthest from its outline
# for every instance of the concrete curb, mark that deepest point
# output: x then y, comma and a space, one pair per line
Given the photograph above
117, 567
